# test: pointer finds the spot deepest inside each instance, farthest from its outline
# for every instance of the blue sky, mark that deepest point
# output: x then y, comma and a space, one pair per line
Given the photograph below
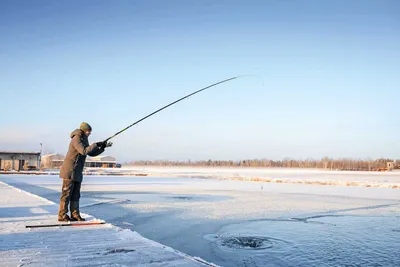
328, 77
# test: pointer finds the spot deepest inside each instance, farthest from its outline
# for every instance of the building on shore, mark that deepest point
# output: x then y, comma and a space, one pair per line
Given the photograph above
101, 162
19, 160
390, 165
52, 161
55, 161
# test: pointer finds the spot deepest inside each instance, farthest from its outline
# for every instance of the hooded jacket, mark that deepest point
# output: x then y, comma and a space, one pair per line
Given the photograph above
74, 161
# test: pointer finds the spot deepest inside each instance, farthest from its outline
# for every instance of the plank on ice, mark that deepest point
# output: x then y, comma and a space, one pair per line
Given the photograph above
64, 224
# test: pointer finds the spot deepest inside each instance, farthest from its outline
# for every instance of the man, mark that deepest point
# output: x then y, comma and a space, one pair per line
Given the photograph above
72, 168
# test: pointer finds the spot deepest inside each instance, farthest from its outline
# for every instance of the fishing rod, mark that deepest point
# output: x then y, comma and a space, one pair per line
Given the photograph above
170, 104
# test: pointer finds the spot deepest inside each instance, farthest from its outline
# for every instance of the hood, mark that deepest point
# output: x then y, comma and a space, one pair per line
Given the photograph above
76, 132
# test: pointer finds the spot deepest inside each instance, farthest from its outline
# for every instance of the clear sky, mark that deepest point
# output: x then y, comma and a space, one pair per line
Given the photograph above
329, 77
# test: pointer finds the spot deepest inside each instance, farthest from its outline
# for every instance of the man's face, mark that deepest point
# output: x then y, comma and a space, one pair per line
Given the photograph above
88, 133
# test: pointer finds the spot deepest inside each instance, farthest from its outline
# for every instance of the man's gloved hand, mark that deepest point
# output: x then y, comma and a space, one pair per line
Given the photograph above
99, 144
109, 144
104, 144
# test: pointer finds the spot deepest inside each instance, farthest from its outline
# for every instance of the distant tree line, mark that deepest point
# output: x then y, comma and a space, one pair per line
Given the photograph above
324, 163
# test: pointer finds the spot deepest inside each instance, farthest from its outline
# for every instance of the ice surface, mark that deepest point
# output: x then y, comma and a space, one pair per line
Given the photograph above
101, 245
237, 223
270, 175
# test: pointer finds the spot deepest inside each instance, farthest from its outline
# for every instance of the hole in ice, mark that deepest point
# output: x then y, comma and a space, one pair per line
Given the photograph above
251, 242
247, 242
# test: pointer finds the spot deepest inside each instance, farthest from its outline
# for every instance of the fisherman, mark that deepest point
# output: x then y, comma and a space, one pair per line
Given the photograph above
72, 168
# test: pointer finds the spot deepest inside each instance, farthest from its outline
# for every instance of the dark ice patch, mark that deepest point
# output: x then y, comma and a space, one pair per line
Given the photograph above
118, 250
183, 198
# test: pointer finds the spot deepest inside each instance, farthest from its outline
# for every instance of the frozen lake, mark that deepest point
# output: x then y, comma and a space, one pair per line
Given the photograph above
235, 223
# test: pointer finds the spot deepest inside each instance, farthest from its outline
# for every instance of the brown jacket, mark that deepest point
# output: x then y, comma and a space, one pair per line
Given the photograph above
74, 161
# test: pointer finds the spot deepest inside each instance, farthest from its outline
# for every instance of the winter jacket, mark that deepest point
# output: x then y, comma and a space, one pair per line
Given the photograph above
74, 161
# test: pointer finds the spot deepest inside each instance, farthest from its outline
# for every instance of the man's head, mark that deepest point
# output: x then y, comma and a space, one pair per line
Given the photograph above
86, 128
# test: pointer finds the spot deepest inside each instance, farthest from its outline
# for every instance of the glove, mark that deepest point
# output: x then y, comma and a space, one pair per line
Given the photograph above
104, 144
99, 144
108, 144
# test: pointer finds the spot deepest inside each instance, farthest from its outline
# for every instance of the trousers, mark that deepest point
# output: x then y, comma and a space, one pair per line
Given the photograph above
70, 195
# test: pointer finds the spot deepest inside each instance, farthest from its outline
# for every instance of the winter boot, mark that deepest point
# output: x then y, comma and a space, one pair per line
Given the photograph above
62, 212
64, 218
77, 217
75, 214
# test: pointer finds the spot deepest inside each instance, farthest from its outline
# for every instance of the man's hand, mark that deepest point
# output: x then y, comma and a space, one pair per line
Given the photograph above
104, 144
99, 144
108, 144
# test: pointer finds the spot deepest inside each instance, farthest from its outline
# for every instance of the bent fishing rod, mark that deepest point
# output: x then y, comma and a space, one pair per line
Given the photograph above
170, 104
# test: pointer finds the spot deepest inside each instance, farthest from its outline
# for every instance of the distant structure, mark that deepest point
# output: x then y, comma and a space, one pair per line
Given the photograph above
102, 162
50, 161
390, 166
396, 166
19, 160
55, 161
